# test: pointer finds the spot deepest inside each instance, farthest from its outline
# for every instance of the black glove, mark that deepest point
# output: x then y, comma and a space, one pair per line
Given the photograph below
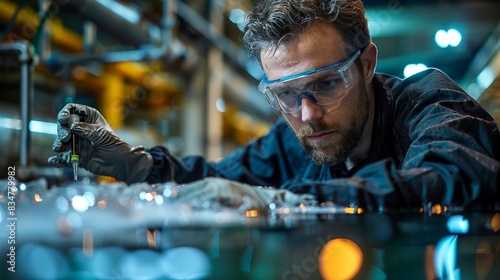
102, 152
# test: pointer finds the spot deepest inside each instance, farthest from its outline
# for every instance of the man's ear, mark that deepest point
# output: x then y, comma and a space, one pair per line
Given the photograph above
369, 61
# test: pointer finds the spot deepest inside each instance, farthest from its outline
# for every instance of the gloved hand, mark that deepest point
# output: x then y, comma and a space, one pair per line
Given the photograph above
220, 191
102, 152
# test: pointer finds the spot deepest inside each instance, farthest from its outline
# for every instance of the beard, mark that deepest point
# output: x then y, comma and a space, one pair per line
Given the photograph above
341, 146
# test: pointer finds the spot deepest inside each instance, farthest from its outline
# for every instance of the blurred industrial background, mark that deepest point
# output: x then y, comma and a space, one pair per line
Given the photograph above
174, 73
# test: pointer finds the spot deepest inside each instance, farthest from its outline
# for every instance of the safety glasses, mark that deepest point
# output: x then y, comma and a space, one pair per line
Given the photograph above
323, 86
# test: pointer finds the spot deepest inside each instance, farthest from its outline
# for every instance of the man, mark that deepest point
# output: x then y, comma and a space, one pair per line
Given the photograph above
348, 135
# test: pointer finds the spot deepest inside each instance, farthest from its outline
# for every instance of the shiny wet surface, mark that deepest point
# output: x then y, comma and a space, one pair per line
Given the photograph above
139, 232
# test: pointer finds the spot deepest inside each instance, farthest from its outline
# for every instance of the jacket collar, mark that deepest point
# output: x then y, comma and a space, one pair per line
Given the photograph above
382, 129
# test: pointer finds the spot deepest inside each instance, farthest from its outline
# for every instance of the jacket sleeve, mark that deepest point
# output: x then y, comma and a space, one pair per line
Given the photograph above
266, 161
451, 156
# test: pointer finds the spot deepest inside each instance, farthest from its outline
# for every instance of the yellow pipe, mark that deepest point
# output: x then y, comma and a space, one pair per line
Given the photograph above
110, 101
110, 88
88, 82
65, 38
241, 127
27, 22
143, 75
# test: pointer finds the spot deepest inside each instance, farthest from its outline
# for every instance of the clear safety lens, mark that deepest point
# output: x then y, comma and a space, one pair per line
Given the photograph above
323, 86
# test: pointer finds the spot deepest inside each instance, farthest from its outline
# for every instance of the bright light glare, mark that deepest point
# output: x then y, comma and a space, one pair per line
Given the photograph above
220, 105
128, 13
35, 126
442, 39
43, 127
486, 77
454, 37
450, 38
412, 69
79, 203
10, 123
90, 198
457, 224
159, 199
445, 258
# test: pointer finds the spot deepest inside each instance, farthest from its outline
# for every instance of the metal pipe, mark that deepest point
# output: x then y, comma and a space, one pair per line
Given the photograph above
89, 36
213, 34
26, 95
147, 51
237, 54
43, 46
483, 56
167, 20
105, 19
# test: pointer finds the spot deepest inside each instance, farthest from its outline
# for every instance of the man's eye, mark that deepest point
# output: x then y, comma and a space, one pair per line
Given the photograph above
325, 84
285, 93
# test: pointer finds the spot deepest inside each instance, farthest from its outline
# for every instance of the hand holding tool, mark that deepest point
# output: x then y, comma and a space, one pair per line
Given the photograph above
75, 116
97, 148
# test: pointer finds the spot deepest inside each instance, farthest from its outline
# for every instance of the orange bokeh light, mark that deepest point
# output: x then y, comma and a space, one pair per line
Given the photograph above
340, 259
495, 222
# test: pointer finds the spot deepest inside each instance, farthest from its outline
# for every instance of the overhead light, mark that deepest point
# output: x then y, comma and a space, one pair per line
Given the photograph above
454, 37
128, 13
412, 69
34, 126
441, 39
237, 16
220, 105
486, 77
450, 38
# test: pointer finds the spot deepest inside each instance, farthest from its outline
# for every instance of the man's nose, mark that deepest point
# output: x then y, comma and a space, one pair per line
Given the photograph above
310, 111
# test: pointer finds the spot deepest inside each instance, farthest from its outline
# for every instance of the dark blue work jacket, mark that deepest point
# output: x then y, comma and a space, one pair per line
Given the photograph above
431, 143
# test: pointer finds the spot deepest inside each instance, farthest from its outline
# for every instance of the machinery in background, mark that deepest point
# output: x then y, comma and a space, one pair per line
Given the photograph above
139, 75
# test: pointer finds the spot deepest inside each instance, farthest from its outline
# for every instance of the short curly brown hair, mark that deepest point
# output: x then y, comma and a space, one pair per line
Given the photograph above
273, 22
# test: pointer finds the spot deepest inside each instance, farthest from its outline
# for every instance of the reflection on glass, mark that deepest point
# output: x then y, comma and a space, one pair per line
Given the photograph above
88, 243
37, 198
251, 213
446, 258
353, 210
62, 204
105, 263
484, 260
41, 262
185, 263
457, 224
141, 264
430, 270
151, 238
66, 224
433, 209
495, 222
102, 203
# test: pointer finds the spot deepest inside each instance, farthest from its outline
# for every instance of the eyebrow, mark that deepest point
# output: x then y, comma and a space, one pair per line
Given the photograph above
323, 75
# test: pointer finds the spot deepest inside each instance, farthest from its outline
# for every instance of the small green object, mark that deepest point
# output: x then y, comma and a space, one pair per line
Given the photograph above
75, 158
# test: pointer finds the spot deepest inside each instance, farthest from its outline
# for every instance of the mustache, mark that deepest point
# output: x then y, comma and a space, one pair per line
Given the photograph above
317, 127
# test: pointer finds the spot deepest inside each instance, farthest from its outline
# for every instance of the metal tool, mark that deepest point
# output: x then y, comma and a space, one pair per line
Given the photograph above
75, 116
